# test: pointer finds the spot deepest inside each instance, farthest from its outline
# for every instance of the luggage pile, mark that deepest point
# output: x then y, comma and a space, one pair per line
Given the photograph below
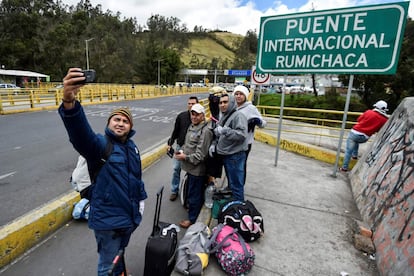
239, 223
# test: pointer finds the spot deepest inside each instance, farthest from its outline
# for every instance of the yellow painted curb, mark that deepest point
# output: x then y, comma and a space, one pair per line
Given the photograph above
304, 149
152, 156
23, 233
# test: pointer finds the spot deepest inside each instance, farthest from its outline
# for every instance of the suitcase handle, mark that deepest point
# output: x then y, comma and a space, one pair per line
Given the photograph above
157, 210
159, 193
118, 257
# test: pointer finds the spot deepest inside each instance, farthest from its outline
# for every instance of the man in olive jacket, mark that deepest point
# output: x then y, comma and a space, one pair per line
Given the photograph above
193, 156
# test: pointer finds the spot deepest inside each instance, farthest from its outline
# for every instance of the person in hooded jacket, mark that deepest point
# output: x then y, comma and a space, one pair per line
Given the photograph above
231, 144
253, 116
370, 122
118, 193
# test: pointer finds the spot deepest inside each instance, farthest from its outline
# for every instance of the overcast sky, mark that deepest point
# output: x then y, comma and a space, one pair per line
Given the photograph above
236, 16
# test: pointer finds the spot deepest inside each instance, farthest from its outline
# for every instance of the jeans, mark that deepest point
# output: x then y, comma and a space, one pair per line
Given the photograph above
175, 182
352, 146
109, 242
195, 196
234, 167
249, 148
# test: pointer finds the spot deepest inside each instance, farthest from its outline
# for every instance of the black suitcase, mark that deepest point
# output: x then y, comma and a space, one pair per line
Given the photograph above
161, 245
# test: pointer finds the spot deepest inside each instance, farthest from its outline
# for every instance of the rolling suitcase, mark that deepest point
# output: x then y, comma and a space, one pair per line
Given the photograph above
161, 245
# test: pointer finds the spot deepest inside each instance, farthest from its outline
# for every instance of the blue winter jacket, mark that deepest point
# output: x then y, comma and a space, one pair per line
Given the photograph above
118, 188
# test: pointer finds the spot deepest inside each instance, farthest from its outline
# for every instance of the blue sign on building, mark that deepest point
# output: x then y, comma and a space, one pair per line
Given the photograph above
244, 73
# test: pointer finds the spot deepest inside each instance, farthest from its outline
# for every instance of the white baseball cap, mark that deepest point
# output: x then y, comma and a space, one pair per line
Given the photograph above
382, 105
198, 108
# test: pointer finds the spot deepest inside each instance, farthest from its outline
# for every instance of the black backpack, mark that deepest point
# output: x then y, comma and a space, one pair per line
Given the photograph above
243, 216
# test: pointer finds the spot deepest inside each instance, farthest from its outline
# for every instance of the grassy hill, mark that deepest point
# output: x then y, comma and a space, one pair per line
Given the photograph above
219, 45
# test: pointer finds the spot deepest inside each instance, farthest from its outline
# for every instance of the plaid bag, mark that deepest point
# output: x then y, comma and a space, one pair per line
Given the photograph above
234, 255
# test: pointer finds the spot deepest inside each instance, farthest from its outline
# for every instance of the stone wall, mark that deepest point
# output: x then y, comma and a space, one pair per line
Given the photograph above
383, 187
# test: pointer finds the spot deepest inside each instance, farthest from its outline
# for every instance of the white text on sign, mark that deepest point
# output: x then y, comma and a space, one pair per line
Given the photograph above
325, 24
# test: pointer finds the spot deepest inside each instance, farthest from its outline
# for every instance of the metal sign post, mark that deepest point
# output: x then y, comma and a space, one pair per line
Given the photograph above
279, 129
344, 118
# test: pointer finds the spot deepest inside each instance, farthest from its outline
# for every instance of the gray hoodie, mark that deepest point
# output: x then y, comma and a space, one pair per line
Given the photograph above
250, 112
233, 139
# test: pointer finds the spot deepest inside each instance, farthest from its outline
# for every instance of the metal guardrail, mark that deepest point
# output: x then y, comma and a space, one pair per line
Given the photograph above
40, 98
308, 122
312, 126
317, 117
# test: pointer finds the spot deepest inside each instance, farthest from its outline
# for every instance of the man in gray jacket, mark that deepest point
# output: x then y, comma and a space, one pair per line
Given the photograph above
253, 116
231, 144
193, 156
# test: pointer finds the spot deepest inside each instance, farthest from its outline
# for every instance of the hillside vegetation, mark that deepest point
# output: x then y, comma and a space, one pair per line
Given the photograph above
231, 40
207, 48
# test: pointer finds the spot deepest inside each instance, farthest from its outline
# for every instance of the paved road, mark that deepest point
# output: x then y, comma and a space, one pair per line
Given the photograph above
37, 158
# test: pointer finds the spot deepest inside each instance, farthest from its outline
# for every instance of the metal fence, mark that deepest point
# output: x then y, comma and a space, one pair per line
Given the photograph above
30, 99
318, 127
314, 126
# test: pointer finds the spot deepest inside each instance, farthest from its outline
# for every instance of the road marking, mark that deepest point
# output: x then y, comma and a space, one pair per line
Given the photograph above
6, 175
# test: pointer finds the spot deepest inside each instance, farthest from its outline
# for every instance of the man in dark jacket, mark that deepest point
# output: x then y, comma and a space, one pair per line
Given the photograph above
182, 122
118, 193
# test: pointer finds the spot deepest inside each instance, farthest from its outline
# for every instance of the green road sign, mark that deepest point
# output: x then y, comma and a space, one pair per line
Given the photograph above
358, 40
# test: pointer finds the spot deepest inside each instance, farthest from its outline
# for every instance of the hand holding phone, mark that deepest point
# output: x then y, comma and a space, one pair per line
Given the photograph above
170, 152
90, 76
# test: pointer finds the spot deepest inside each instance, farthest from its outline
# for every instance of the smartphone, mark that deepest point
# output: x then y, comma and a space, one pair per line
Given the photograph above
170, 153
90, 76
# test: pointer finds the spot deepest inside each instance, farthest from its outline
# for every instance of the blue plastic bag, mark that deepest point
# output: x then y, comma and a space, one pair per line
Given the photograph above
81, 209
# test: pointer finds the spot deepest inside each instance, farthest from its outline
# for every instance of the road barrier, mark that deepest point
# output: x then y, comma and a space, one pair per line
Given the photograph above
32, 99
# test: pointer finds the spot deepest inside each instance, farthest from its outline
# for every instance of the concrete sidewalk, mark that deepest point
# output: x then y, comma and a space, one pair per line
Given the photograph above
308, 218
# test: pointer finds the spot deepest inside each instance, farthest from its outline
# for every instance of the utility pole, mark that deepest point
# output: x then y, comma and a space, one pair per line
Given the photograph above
159, 69
87, 52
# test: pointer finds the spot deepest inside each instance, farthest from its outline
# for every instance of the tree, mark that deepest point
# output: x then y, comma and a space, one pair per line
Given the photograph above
167, 31
246, 52
391, 88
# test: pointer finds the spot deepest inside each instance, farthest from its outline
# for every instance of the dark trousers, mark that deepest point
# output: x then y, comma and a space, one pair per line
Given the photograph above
195, 196
249, 148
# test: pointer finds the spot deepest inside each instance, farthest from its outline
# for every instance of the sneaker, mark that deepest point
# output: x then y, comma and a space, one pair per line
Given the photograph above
185, 223
343, 169
173, 196
355, 157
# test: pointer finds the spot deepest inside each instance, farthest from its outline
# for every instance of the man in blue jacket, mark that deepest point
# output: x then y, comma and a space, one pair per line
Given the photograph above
118, 193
